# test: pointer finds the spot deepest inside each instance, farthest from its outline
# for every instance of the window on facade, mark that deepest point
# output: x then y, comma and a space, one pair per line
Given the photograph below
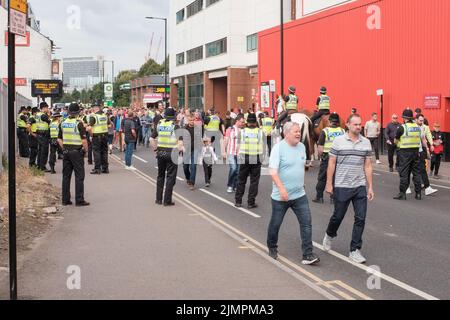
194, 7
180, 15
196, 87
180, 59
217, 47
181, 93
252, 42
195, 54
210, 2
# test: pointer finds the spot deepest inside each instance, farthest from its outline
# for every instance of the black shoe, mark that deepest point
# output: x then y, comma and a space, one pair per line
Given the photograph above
83, 204
311, 259
391, 169
95, 172
252, 206
67, 204
238, 205
318, 200
90, 163
418, 196
401, 196
159, 203
106, 171
273, 253
46, 170
169, 204
52, 171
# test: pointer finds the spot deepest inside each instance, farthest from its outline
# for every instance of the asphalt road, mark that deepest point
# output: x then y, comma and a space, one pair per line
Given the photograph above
406, 242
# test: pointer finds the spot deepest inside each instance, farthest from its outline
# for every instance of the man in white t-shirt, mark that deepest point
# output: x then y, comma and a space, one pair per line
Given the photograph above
372, 131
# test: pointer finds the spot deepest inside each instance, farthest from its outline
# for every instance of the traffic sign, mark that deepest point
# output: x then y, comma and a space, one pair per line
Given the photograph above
19, 5
18, 22
109, 90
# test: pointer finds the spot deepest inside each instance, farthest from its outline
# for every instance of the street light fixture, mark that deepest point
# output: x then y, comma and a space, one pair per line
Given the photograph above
165, 54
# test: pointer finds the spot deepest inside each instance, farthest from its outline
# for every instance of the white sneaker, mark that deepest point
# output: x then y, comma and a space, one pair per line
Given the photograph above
408, 191
378, 162
429, 191
357, 257
327, 240
130, 168
230, 190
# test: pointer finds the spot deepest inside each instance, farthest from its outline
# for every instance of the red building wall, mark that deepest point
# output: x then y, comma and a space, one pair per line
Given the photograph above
408, 57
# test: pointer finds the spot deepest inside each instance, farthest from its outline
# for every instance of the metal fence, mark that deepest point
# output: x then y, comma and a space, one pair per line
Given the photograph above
20, 101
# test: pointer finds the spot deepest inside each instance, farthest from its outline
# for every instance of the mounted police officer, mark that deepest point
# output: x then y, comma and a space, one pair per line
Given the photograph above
323, 105
291, 103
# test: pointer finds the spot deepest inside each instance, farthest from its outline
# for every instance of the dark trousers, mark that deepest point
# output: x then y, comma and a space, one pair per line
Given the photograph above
73, 162
190, 166
436, 163
43, 148
423, 169
24, 149
392, 150
319, 115
100, 150
207, 168
342, 199
269, 145
33, 144
322, 179
375, 142
54, 148
408, 162
165, 167
246, 170
90, 150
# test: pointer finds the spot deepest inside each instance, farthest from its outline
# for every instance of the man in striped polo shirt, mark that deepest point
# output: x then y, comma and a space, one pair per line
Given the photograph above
350, 163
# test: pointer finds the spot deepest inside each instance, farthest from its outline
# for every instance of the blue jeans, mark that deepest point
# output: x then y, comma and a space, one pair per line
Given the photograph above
342, 199
301, 209
234, 171
190, 167
129, 153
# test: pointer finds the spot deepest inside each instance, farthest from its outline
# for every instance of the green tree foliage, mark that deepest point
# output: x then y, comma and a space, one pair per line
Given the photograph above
151, 67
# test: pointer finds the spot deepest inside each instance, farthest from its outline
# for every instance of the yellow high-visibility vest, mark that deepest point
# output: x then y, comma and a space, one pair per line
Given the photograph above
70, 133
214, 124
54, 129
330, 135
267, 125
41, 125
324, 103
292, 104
20, 123
33, 125
411, 137
101, 124
251, 142
166, 135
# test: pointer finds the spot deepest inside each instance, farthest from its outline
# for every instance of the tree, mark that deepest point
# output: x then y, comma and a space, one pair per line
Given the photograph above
76, 95
151, 67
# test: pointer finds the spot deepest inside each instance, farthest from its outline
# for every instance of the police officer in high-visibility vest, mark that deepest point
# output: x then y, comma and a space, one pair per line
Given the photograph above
54, 146
214, 129
32, 137
167, 149
326, 139
267, 125
408, 141
99, 123
85, 116
72, 140
323, 106
22, 133
251, 150
291, 106
43, 136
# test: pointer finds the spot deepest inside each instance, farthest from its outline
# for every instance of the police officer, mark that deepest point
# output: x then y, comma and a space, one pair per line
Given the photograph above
323, 105
267, 125
326, 139
251, 149
291, 106
22, 133
54, 146
32, 137
408, 141
99, 123
72, 140
167, 149
43, 136
214, 129
87, 114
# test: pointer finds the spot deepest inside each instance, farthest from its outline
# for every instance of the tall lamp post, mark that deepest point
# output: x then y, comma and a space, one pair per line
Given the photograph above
165, 54
282, 45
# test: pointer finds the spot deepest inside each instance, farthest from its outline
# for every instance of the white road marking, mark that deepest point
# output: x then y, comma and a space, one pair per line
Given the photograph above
376, 174
438, 186
180, 179
230, 203
140, 159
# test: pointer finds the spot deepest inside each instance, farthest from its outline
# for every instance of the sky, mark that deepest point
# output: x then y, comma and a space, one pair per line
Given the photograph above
114, 29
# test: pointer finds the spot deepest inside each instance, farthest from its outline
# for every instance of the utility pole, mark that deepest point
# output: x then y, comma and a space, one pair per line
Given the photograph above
282, 45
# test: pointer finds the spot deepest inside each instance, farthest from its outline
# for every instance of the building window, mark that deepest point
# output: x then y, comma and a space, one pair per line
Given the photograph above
210, 2
181, 93
194, 8
180, 15
180, 59
195, 54
252, 42
217, 47
196, 87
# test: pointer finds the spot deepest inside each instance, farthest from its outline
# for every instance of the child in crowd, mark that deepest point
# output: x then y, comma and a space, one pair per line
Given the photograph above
208, 158
438, 139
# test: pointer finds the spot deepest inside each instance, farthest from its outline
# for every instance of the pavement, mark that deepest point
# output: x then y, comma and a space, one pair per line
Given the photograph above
125, 247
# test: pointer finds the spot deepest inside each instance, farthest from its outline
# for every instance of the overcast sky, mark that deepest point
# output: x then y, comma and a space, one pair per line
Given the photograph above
116, 29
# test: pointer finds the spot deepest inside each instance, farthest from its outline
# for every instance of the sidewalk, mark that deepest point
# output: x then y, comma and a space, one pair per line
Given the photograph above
128, 248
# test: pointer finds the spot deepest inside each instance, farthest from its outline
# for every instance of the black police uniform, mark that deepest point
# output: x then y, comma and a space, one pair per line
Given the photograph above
43, 138
100, 146
73, 162
32, 142
89, 142
22, 135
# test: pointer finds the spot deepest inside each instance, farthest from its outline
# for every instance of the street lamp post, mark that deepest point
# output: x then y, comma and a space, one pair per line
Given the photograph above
165, 55
282, 45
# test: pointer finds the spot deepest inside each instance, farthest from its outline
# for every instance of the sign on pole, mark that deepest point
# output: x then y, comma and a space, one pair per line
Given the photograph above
273, 87
265, 95
18, 17
109, 90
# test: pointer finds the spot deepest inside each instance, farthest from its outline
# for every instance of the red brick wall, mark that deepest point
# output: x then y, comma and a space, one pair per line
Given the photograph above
208, 91
220, 95
239, 85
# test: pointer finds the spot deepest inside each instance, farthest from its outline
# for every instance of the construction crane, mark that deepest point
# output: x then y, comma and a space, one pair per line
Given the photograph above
149, 55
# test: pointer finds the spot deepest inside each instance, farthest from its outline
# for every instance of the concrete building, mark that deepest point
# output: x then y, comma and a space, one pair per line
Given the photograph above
82, 72
33, 55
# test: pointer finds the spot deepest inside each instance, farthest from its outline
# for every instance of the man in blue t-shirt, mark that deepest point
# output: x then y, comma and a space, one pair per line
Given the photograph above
287, 168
